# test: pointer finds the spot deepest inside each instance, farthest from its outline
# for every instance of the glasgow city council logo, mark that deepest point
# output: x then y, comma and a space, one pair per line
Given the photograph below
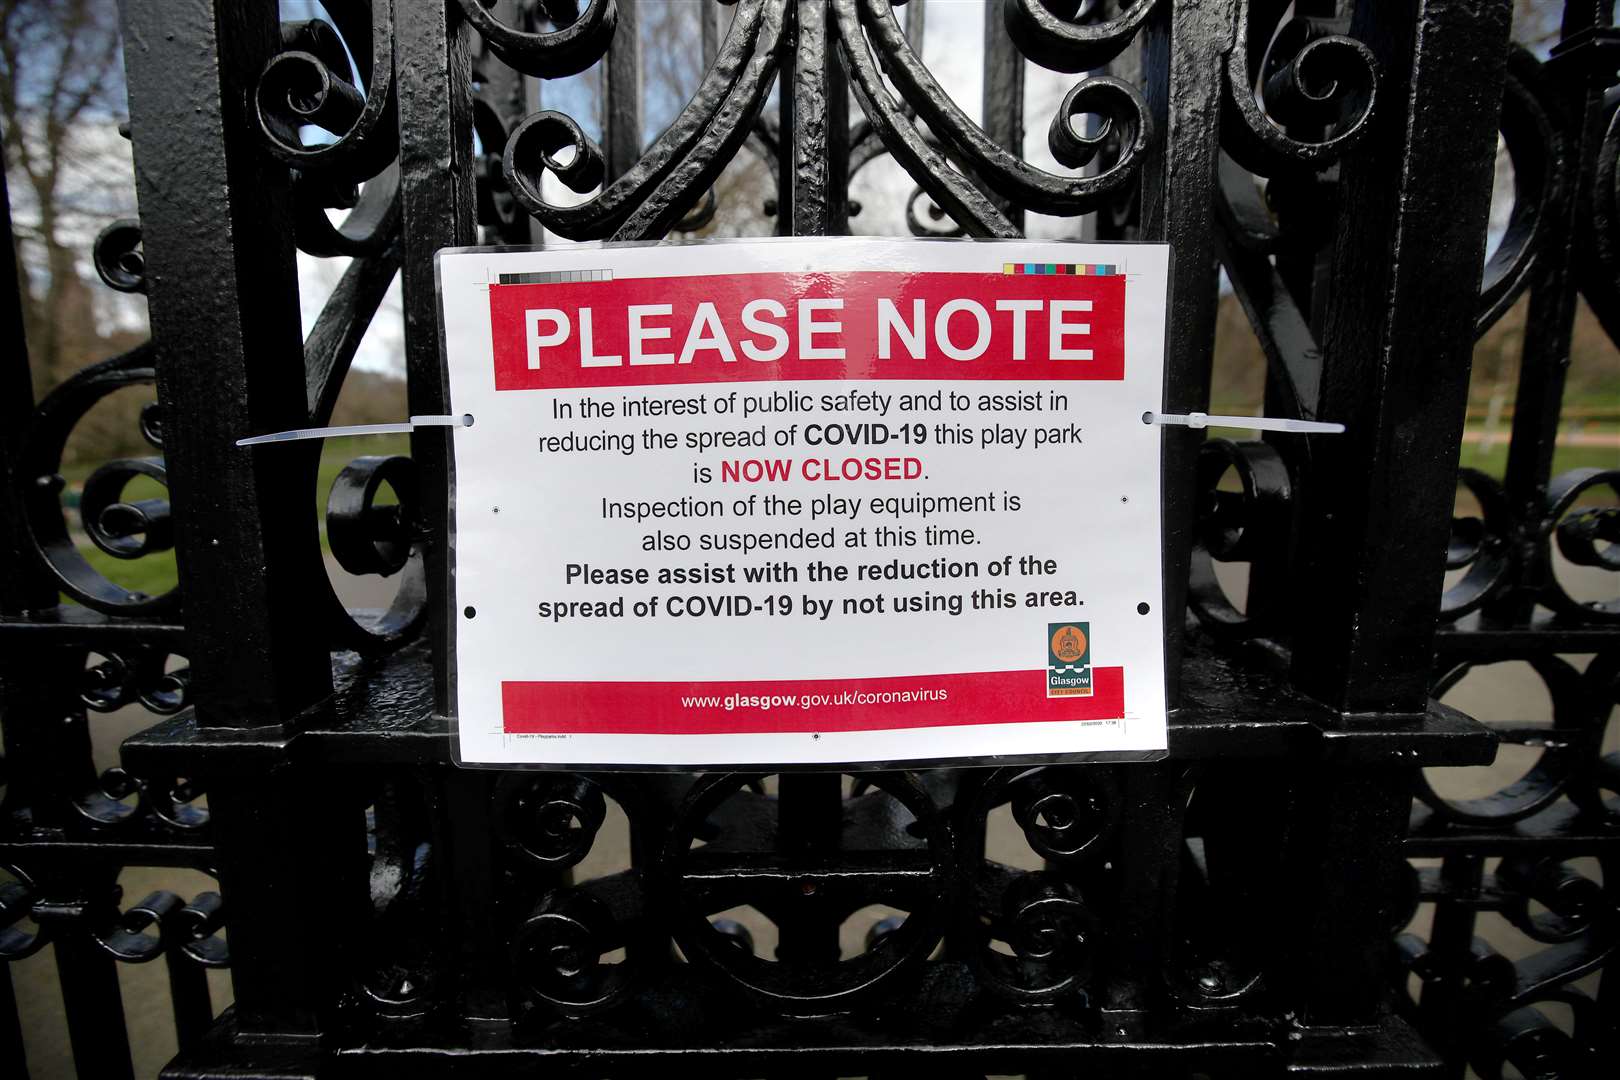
1068, 660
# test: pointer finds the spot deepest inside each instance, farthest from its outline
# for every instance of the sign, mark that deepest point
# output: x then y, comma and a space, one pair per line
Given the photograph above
806, 501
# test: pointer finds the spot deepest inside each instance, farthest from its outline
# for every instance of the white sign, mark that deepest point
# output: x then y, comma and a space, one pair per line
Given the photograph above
806, 501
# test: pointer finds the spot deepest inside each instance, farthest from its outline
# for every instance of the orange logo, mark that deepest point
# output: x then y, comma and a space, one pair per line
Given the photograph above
1069, 643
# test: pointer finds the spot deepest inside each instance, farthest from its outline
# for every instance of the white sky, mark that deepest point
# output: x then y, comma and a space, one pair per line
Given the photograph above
952, 51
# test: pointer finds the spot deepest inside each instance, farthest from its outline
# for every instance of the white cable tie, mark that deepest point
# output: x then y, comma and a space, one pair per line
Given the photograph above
465, 420
1251, 423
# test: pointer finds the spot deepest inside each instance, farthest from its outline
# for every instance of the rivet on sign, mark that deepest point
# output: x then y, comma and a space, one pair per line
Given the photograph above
470, 611
497, 509
1142, 608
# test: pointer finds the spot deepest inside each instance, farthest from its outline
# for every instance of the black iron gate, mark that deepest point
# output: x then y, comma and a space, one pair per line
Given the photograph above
1229, 912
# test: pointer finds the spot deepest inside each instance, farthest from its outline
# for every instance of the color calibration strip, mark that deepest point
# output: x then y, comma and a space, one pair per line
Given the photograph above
1077, 269
556, 277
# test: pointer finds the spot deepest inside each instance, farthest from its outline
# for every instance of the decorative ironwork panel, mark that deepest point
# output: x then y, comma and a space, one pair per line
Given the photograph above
1243, 908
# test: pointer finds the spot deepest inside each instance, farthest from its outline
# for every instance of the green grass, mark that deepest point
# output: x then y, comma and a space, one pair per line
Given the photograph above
152, 574
157, 573
1493, 461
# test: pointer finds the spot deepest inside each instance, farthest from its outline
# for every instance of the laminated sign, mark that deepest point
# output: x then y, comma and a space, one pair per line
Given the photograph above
806, 501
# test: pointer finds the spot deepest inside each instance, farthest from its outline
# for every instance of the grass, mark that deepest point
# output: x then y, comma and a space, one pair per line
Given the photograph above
157, 573
1493, 462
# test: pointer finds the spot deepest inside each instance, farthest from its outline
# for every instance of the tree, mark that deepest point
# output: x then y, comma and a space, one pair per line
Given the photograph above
61, 93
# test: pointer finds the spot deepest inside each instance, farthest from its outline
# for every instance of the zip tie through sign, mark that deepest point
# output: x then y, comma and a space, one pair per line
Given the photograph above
1252, 423
464, 420
1192, 420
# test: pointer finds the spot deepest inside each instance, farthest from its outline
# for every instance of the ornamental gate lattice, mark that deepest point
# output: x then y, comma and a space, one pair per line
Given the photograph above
1227, 912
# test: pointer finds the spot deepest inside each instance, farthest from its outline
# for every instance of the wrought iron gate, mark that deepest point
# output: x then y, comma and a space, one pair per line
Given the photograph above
1228, 912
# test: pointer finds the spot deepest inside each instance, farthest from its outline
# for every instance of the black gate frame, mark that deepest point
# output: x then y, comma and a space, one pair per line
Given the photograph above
1226, 913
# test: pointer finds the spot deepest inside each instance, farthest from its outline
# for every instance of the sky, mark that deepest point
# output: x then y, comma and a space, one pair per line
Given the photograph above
952, 51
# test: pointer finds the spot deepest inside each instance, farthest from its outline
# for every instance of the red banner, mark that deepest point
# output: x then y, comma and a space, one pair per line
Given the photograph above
858, 325
801, 705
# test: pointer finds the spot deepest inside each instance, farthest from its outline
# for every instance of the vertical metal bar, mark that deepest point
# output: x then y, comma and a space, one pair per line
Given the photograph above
20, 587
224, 308
810, 817
188, 993
1342, 855
1183, 59
1550, 321
785, 123
1397, 349
709, 25
504, 86
13, 1062
465, 840
1303, 265
533, 97
93, 1004
1445, 1000
1141, 936
278, 847
814, 181
621, 93
47, 735
1003, 115
437, 209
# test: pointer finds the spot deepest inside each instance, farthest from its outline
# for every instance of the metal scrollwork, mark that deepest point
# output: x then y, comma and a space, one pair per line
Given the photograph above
141, 675
950, 190
1123, 112
16, 903
119, 260
498, 210
1049, 935
1309, 77
1480, 545
578, 40
1569, 902
1054, 935
1048, 34
925, 217
311, 83
198, 925
1599, 245
558, 953
1236, 526
1572, 738
680, 165
370, 537
122, 529
171, 802
1066, 814
1586, 537
553, 820
832, 878
127, 937
1525, 1042
1535, 145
